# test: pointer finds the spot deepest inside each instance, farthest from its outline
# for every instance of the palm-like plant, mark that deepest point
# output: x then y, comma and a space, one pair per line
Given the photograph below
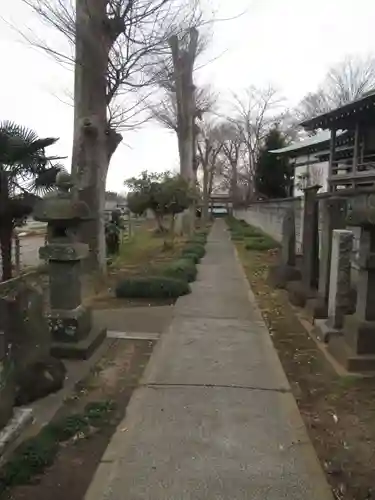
25, 173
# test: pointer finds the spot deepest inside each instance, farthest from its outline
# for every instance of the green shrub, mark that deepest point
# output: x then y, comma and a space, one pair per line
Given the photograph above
30, 459
193, 257
182, 269
151, 287
198, 238
34, 455
260, 244
194, 248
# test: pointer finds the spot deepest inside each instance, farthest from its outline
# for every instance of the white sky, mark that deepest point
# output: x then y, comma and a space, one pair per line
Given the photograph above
289, 43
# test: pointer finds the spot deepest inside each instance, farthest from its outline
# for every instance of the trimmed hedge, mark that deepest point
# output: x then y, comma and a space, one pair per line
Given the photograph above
194, 249
151, 287
193, 257
182, 269
260, 243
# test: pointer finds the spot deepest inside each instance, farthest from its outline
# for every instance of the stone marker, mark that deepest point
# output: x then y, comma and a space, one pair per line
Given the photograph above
356, 347
286, 271
334, 213
310, 240
288, 243
70, 322
339, 290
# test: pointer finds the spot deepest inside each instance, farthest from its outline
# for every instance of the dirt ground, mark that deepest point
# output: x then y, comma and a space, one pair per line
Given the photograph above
339, 412
113, 379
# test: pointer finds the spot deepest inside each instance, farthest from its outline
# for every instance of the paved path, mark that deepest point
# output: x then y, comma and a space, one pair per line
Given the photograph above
214, 418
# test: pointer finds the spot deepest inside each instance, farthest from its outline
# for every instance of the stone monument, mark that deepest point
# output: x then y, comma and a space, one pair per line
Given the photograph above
300, 291
355, 348
339, 288
70, 322
333, 217
286, 271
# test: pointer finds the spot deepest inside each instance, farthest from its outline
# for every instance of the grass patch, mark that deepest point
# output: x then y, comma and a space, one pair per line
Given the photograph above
260, 243
153, 287
33, 456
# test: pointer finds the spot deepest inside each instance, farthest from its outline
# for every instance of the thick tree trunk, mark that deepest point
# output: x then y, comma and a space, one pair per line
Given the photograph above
90, 145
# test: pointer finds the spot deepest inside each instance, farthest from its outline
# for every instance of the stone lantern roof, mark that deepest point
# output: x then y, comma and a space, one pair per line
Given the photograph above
61, 204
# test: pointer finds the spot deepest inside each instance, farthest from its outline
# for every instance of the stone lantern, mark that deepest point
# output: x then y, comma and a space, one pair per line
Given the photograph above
69, 321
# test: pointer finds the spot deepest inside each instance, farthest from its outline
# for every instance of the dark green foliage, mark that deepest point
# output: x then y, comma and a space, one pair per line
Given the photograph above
191, 256
260, 244
68, 427
34, 455
25, 171
274, 173
30, 459
194, 249
151, 287
182, 269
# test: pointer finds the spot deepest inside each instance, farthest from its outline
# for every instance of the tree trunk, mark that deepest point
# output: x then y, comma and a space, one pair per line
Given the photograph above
90, 146
234, 185
6, 233
206, 197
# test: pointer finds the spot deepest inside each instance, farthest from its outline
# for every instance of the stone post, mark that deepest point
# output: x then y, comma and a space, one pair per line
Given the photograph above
310, 239
333, 218
339, 289
288, 243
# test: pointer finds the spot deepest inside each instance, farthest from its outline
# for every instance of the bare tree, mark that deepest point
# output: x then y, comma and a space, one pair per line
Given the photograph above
257, 110
345, 82
209, 147
113, 41
231, 156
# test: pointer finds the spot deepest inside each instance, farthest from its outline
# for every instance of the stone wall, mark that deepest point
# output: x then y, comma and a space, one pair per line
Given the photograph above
269, 215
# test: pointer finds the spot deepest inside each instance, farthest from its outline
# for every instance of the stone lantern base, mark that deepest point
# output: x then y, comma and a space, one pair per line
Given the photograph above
73, 335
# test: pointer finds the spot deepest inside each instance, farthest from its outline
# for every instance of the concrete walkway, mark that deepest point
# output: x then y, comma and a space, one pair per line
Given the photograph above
214, 418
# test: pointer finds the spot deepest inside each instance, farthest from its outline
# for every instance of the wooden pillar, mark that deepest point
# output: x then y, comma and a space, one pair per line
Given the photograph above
332, 150
356, 149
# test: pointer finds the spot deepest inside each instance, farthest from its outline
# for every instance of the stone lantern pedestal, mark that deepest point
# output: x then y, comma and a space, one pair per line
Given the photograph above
70, 322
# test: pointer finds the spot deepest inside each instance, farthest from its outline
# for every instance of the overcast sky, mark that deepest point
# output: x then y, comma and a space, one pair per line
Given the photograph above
288, 43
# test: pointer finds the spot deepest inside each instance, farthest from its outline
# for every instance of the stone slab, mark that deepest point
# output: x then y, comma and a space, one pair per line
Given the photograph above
132, 335
353, 362
216, 352
22, 417
79, 350
194, 443
134, 319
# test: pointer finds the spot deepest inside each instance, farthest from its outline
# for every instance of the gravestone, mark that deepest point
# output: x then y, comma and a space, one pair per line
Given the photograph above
301, 291
356, 347
334, 214
310, 239
288, 243
339, 290
286, 271
70, 322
